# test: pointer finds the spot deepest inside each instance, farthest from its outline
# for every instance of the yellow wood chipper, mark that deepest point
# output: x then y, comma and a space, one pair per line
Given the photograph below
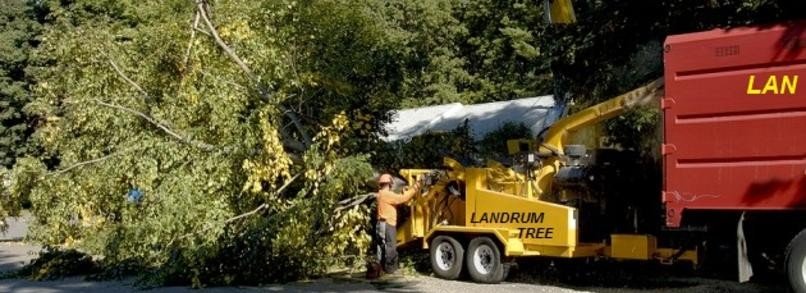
481, 218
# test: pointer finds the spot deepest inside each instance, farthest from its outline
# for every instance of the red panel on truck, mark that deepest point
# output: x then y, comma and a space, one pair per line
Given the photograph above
735, 120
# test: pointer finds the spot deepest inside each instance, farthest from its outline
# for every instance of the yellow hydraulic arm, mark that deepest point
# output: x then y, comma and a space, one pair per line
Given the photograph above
562, 12
559, 11
556, 136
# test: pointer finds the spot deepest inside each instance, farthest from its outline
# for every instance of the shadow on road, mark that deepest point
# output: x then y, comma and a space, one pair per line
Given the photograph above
612, 276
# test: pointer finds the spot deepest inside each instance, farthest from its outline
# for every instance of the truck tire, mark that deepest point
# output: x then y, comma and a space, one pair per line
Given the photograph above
447, 256
484, 261
796, 262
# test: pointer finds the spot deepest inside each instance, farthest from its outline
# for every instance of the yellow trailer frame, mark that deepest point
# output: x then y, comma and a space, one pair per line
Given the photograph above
523, 226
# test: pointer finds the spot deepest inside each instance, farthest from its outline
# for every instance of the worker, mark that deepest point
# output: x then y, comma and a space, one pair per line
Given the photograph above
387, 219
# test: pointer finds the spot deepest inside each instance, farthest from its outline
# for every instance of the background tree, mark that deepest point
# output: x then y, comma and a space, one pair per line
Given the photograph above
617, 46
472, 51
19, 28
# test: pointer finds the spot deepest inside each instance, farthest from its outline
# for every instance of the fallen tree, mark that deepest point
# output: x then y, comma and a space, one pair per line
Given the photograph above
182, 154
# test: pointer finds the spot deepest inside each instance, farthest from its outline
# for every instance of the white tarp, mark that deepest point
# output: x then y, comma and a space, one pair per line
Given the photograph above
536, 113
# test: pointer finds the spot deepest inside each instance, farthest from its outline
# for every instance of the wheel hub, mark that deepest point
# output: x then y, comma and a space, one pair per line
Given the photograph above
445, 256
483, 259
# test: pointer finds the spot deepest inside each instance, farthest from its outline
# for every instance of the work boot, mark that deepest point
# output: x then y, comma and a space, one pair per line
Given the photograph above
374, 270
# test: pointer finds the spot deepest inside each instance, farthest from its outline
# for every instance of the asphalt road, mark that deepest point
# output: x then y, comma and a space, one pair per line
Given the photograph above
401, 284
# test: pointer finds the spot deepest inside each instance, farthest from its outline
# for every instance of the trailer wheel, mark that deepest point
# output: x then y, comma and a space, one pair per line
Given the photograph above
447, 256
796, 262
484, 261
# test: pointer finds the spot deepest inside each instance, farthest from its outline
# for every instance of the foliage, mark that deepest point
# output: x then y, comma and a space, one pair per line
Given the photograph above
503, 49
138, 100
377, 56
434, 71
413, 260
494, 144
300, 237
15, 187
472, 51
52, 264
19, 28
637, 130
9, 206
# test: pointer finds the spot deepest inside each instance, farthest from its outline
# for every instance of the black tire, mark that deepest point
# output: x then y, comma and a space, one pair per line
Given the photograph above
447, 256
795, 262
484, 261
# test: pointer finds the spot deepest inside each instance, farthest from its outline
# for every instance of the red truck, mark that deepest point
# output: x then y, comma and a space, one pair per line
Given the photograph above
734, 150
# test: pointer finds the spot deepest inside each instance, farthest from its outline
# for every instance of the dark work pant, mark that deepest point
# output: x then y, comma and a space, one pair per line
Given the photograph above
389, 248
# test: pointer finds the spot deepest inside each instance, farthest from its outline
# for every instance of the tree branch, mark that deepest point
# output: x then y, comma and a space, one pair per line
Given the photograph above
92, 161
192, 36
164, 128
203, 31
264, 205
200, 4
241, 216
127, 79
354, 201
76, 165
290, 142
203, 12
306, 138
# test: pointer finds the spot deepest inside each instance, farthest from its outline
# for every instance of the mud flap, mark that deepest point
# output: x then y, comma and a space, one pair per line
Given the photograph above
745, 268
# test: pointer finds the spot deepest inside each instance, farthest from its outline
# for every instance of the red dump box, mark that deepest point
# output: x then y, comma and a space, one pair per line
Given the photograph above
734, 117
